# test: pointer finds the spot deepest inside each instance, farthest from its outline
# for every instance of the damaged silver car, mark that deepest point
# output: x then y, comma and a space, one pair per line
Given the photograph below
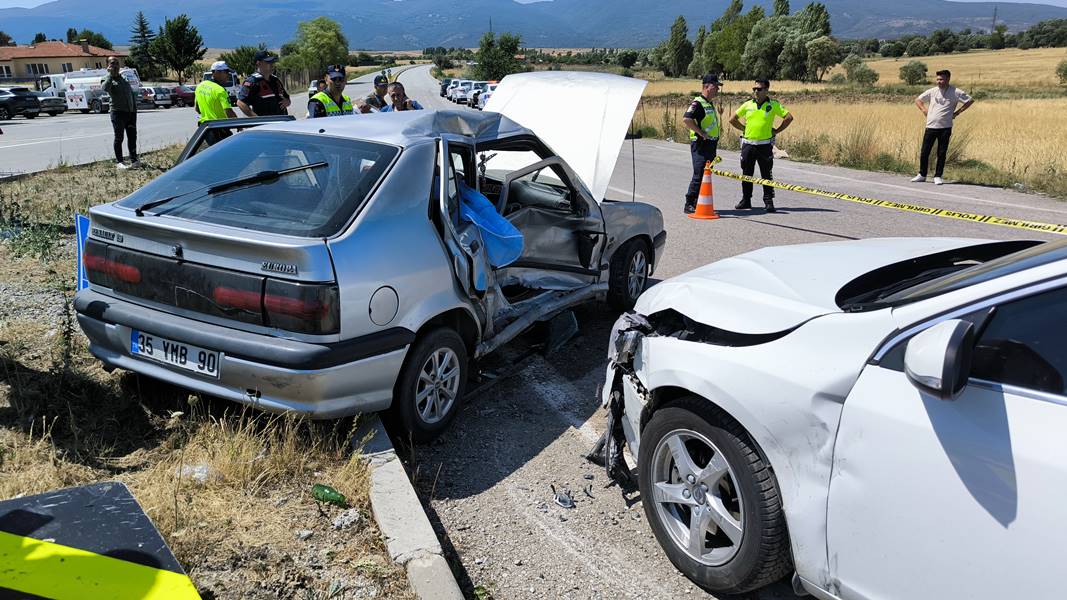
337, 266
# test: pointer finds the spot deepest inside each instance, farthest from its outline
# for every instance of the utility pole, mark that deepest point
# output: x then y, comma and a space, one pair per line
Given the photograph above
491, 22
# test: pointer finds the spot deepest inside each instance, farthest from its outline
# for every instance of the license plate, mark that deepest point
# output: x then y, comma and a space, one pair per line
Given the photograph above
176, 354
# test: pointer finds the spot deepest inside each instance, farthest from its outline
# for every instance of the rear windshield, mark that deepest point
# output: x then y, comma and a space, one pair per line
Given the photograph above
315, 202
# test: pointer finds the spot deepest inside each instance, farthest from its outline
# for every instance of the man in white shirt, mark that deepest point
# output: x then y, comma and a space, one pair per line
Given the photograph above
939, 105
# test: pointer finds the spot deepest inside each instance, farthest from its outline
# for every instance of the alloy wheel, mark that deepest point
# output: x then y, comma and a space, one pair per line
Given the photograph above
638, 274
438, 386
696, 497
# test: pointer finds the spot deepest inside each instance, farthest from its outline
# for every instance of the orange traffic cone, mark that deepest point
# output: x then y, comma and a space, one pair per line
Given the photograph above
706, 200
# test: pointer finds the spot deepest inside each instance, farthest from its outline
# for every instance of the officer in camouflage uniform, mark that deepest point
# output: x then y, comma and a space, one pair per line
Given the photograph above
262, 92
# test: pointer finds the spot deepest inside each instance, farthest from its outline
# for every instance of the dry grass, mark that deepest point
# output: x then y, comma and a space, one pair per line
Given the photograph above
689, 87
64, 421
982, 68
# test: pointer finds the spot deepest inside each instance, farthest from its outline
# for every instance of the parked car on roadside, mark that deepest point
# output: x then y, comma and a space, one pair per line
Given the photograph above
861, 414
16, 101
158, 96
460, 94
476, 89
183, 95
444, 85
342, 271
484, 97
53, 105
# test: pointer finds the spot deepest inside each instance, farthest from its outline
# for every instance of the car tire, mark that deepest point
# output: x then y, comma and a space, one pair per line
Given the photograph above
54, 114
628, 275
5, 114
181, 103
30, 115
97, 107
428, 393
757, 553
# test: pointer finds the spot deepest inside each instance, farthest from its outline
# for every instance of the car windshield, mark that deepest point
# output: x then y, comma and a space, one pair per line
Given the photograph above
308, 203
935, 274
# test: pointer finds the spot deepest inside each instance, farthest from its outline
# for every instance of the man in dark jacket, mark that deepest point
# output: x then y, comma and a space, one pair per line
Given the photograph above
262, 92
123, 113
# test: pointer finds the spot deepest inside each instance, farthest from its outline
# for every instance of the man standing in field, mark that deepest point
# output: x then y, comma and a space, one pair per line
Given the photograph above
939, 105
702, 119
757, 144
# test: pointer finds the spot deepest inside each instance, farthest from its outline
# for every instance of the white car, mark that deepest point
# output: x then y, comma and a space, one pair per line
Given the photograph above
881, 418
459, 93
484, 96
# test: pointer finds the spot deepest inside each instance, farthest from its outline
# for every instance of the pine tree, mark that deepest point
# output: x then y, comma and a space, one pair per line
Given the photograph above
141, 48
781, 8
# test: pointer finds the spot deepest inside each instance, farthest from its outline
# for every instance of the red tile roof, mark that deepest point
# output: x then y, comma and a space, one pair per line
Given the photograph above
54, 50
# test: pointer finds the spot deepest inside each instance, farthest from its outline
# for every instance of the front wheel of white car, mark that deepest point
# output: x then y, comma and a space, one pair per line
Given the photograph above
711, 499
430, 389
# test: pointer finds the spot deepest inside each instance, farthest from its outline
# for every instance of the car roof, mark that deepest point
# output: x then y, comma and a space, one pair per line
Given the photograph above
408, 128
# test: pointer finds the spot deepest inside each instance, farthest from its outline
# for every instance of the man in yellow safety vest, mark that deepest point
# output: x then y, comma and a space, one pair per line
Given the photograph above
212, 101
331, 102
702, 120
757, 145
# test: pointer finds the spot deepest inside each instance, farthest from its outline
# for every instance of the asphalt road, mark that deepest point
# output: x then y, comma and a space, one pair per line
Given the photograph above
486, 482
30, 145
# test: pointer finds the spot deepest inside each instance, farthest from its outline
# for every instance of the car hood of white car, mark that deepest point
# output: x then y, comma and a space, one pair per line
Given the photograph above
583, 117
776, 289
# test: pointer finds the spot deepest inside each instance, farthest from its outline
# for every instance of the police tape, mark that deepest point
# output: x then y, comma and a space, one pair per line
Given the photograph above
912, 208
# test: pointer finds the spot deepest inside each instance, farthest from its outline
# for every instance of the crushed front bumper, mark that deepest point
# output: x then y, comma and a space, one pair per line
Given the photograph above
318, 380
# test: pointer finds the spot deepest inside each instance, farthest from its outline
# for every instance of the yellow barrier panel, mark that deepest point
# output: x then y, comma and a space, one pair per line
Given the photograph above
912, 208
60, 572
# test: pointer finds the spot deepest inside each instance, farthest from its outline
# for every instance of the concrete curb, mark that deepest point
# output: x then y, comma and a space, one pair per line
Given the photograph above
409, 537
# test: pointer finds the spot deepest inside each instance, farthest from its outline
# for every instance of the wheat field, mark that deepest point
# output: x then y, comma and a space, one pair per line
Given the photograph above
981, 68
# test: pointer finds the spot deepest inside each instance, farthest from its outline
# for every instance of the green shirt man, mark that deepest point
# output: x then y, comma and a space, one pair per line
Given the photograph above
757, 145
212, 100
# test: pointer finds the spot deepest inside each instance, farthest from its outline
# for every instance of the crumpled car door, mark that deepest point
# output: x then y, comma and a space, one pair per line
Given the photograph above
470, 265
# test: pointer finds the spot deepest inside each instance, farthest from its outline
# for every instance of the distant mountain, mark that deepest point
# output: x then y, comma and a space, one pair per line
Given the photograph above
416, 24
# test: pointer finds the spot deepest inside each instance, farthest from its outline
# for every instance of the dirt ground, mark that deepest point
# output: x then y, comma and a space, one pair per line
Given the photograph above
229, 490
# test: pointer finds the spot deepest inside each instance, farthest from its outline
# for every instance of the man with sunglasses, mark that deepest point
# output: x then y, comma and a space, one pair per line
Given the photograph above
331, 102
757, 144
400, 99
702, 119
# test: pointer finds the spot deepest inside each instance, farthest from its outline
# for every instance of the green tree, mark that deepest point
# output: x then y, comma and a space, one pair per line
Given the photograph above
140, 58
677, 50
5, 39
318, 42
918, 47
725, 46
781, 8
892, 49
943, 41
1061, 72
627, 58
996, 39
39, 37
243, 58
178, 46
823, 53
864, 76
496, 56
698, 64
94, 38
913, 73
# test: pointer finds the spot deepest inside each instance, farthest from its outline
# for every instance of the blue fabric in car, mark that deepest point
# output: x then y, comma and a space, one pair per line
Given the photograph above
503, 242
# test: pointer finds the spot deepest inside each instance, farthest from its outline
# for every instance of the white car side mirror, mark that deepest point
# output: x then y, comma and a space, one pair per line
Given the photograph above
938, 360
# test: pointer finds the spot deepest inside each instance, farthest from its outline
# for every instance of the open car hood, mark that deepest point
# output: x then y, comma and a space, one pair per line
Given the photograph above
583, 117
778, 288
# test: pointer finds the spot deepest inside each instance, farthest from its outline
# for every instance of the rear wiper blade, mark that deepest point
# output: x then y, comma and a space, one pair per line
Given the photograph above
215, 188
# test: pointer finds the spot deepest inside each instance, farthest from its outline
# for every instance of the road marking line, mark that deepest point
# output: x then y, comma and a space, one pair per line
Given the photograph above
49, 140
624, 191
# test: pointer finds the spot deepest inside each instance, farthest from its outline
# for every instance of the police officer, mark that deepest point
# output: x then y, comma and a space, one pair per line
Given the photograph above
212, 101
376, 99
757, 144
702, 120
332, 102
262, 93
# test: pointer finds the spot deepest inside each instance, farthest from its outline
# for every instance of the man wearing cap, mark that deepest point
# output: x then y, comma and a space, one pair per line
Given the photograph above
757, 144
702, 121
212, 101
376, 99
331, 102
262, 92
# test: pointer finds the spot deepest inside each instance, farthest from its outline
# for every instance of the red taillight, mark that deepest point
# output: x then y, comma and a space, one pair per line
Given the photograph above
116, 270
312, 309
240, 299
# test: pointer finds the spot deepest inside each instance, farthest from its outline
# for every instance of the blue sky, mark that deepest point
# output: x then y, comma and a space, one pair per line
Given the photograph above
31, 3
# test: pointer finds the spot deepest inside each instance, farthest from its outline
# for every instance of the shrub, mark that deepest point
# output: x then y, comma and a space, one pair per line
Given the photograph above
838, 79
913, 73
917, 47
1061, 71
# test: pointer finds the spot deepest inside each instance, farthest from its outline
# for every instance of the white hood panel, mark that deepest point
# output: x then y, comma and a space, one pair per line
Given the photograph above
582, 116
775, 289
